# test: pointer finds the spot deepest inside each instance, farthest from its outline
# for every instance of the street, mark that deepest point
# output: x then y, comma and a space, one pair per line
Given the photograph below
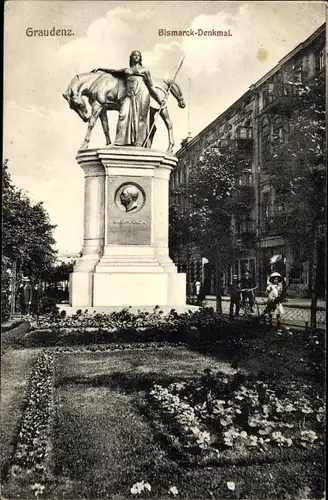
296, 311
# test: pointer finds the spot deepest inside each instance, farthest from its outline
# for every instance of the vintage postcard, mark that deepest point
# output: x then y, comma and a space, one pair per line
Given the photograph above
164, 249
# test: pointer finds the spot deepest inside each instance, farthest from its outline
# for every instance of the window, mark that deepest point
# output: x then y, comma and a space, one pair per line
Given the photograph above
266, 95
248, 123
266, 205
280, 130
277, 78
228, 131
246, 179
247, 265
245, 226
265, 127
244, 131
320, 59
265, 138
296, 76
185, 174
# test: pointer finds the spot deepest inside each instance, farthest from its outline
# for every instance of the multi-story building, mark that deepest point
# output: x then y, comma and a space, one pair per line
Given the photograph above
248, 127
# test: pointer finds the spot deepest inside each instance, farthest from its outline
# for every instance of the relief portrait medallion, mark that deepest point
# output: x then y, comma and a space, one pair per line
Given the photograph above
130, 198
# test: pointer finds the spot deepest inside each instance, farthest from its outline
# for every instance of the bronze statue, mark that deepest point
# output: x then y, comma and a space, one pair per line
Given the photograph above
132, 126
132, 92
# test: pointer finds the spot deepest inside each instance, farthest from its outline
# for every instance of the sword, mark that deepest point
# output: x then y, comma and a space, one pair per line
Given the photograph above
165, 101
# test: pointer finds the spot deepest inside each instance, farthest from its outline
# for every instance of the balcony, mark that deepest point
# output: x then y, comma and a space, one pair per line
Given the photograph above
242, 143
280, 98
276, 222
245, 234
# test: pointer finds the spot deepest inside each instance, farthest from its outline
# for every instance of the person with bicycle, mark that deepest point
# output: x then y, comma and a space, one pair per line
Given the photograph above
247, 290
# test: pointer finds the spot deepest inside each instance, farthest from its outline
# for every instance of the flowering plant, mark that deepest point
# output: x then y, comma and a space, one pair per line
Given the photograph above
214, 412
32, 448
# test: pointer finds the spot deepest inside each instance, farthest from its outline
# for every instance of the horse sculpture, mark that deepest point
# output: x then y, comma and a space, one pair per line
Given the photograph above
105, 92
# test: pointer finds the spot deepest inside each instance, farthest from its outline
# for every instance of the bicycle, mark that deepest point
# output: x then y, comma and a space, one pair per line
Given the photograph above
245, 309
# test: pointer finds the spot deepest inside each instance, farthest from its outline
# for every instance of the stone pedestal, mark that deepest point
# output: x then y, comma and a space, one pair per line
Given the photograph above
125, 258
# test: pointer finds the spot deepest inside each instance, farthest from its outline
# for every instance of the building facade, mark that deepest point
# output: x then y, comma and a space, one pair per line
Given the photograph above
248, 126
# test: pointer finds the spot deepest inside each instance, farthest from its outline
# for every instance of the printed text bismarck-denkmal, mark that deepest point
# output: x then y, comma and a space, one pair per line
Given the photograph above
191, 32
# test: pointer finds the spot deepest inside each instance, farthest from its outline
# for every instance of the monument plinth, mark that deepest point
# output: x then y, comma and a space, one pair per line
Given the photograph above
125, 258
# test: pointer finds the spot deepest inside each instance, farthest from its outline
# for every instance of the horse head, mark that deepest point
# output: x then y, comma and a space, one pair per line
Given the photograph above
77, 103
176, 91
181, 103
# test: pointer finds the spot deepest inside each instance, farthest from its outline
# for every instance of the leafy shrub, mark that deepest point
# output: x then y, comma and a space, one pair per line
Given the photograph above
48, 304
5, 289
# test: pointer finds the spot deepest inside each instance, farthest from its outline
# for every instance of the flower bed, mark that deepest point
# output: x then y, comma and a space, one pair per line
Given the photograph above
126, 319
116, 347
202, 326
218, 419
211, 420
29, 463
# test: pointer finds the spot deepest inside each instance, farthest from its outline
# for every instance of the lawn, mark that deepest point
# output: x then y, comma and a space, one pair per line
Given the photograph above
109, 422
98, 422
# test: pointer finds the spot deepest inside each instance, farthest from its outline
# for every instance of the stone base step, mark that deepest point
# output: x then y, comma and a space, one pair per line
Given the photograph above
134, 309
132, 268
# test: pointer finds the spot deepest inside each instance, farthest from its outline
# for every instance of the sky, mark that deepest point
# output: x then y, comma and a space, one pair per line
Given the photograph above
42, 135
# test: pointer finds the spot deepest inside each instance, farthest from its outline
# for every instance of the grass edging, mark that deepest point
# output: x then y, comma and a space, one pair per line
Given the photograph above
15, 336
6, 328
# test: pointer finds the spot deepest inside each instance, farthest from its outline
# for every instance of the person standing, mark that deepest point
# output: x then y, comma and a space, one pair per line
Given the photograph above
20, 298
275, 297
201, 296
35, 299
234, 291
247, 292
27, 292
197, 286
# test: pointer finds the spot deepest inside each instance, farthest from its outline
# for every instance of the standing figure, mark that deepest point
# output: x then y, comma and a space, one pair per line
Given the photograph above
234, 290
275, 296
20, 298
36, 299
201, 296
28, 293
132, 125
197, 286
247, 286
